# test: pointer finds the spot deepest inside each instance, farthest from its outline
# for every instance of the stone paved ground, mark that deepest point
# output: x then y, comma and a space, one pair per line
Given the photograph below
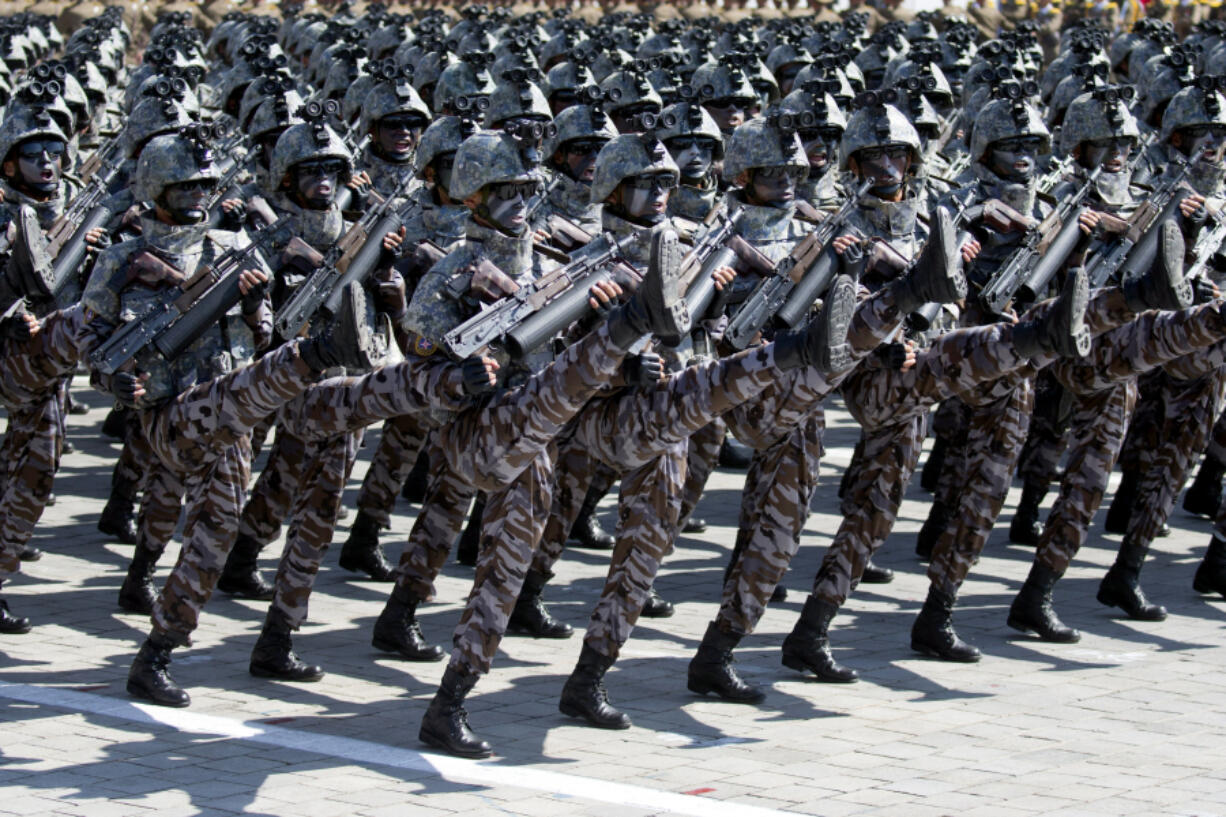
1129, 721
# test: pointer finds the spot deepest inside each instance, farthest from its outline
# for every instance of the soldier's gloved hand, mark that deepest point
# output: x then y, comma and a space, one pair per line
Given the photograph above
644, 369
253, 286
1193, 208
850, 251
894, 355
480, 375
1204, 290
603, 297
724, 276
390, 293
233, 215
19, 328
361, 186
128, 386
98, 238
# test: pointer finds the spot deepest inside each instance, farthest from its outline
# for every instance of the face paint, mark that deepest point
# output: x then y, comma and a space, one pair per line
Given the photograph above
396, 136
507, 205
1109, 154
1015, 160
1203, 143
821, 146
187, 202
40, 165
580, 162
316, 182
693, 154
646, 197
885, 167
730, 112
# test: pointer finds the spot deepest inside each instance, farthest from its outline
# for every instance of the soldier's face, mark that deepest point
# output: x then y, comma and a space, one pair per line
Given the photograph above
397, 135
693, 154
1015, 159
40, 164
580, 158
507, 205
317, 181
1109, 154
885, 166
820, 145
187, 202
729, 112
1205, 143
774, 186
645, 197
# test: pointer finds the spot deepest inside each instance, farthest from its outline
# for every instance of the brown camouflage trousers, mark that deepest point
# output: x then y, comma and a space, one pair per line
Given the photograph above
269, 502
443, 510
1217, 438
204, 434
951, 424
161, 496
399, 445
129, 467
1105, 392
31, 389
995, 431
1047, 437
700, 461
891, 407
575, 472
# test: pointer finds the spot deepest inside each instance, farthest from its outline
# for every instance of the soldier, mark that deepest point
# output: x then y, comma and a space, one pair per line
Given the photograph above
394, 117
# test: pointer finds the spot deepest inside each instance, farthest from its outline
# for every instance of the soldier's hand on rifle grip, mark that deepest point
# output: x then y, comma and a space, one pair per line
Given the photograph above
129, 387
1204, 291
541, 236
98, 238
643, 369
253, 286
723, 277
233, 215
971, 250
1193, 207
1089, 220
392, 243
390, 289
850, 250
20, 328
480, 375
603, 297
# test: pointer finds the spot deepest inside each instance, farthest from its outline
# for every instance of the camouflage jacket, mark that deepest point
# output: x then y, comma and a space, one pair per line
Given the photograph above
385, 176
571, 200
896, 224
118, 294
772, 230
694, 203
826, 192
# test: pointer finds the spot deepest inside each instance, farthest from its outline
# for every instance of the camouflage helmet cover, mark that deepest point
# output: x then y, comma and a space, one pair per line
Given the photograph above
874, 125
767, 141
311, 139
1098, 114
1006, 119
689, 118
173, 158
1194, 105
22, 122
443, 136
391, 95
582, 121
492, 157
630, 155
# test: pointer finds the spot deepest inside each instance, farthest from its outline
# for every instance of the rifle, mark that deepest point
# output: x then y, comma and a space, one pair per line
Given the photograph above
537, 311
796, 281
66, 238
1042, 252
105, 157
711, 251
1130, 254
231, 170
186, 314
351, 259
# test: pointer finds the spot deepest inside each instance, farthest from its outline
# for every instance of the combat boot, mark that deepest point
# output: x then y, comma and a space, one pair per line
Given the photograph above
445, 724
939, 517
658, 307
694, 524
241, 575
1121, 587
11, 624
362, 553
711, 669
29, 553
1122, 503
931, 475
933, 632
1032, 611
115, 425
734, 454
1062, 330
875, 574
149, 678
118, 519
531, 616
415, 485
397, 630
1025, 529
1164, 285
657, 606
937, 275
1205, 493
584, 695
586, 532
137, 593
822, 343
347, 341
807, 647
469, 548
1211, 572
274, 656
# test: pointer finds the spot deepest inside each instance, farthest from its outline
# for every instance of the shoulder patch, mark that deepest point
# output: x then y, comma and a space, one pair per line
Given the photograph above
423, 347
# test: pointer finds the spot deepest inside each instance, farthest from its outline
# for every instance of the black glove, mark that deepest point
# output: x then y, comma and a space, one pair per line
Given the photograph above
104, 241
893, 355
1203, 290
644, 369
15, 328
476, 377
232, 220
852, 261
125, 385
716, 310
254, 298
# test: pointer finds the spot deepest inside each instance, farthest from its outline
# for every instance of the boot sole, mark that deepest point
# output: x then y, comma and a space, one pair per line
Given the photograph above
435, 743
129, 607
387, 577
1079, 335
838, 310
665, 264
933, 652
801, 666
395, 649
1207, 589
16, 630
524, 631
574, 712
700, 688
259, 672
1025, 627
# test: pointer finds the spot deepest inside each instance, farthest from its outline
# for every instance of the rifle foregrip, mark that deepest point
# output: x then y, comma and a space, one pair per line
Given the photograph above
1050, 262
816, 281
555, 316
70, 257
702, 289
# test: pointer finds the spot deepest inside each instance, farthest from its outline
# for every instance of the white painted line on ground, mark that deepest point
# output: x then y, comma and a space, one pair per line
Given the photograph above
489, 773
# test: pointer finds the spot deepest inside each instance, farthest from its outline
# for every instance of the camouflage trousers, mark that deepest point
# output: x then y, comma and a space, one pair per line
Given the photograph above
891, 407
32, 376
1105, 392
1217, 438
700, 461
161, 496
1047, 438
438, 523
204, 435
399, 446
129, 469
575, 473
951, 424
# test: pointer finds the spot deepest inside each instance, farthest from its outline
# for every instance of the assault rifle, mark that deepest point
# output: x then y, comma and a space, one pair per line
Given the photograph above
712, 249
66, 237
1131, 254
351, 259
186, 314
786, 295
535, 312
1042, 252
106, 157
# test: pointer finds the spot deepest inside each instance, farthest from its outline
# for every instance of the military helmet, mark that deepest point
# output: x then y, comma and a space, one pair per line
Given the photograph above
630, 154
153, 116
825, 76
492, 157
585, 120
173, 158
462, 78
275, 114
24, 121
1099, 114
310, 139
1199, 104
812, 98
1086, 77
443, 136
392, 94
877, 122
689, 118
517, 96
725, 81
1164, 76
1006, 118
627, 89
767, 141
